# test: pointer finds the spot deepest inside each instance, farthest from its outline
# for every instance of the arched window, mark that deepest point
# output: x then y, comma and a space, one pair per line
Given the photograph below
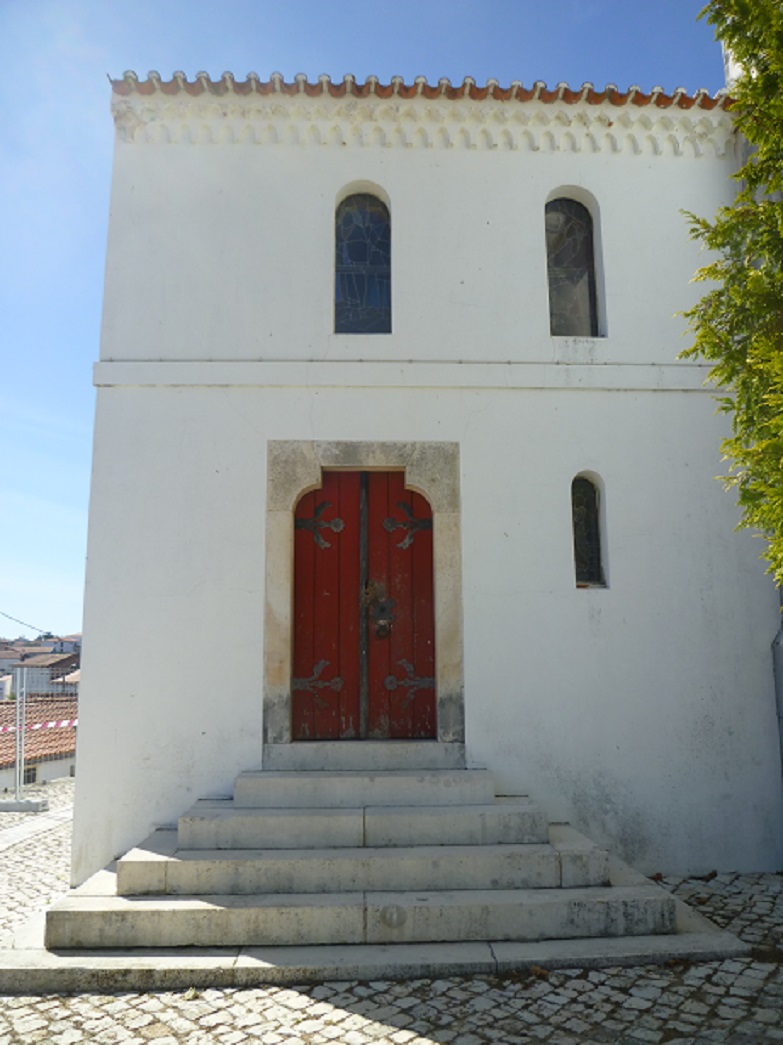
571, 269
362, 276
587, 533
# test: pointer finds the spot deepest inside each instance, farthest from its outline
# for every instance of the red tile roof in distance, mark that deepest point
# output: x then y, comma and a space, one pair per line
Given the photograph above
372, 87
45, 736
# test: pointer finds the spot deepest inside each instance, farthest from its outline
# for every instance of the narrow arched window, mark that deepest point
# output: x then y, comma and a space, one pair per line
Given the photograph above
587, 533
362, 285
570, 269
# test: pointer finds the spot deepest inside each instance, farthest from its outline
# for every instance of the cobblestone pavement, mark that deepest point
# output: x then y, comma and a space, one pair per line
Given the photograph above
736, 1001
58, 794
36, 871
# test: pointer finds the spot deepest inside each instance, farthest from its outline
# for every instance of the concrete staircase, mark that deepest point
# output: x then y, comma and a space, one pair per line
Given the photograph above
384, 843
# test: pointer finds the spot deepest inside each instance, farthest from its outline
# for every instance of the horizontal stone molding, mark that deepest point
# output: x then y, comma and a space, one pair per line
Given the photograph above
672, 377
421, 122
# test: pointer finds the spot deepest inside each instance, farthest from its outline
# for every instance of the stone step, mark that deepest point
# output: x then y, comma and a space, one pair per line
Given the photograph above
81, 921
222, 825
511, 820
366, 869
534, 914
346, 789
371, 755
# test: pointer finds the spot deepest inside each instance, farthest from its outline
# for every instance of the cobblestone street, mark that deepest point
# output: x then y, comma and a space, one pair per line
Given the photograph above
733, 1001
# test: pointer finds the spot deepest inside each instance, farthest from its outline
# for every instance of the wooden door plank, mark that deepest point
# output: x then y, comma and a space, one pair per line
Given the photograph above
402, 651
303, 623
349, 582
378, 646
423, 721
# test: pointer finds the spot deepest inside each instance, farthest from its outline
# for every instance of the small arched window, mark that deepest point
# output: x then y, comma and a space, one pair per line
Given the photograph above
587, 533
362, 267
570, 269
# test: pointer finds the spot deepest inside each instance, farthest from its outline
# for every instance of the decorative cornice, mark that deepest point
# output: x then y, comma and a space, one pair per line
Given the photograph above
227, 111
276, 84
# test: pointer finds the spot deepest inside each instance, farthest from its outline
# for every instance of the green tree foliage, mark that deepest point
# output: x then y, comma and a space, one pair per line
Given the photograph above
738, 324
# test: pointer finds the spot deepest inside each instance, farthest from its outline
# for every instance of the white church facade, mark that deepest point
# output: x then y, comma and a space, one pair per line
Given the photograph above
393, 444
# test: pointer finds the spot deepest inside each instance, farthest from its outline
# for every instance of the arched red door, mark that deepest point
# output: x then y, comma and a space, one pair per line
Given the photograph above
364, 626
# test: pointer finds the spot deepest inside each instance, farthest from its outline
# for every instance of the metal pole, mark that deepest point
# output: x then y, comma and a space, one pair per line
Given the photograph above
20, 724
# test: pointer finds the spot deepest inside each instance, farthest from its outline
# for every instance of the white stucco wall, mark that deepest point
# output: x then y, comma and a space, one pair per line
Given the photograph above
206, 260
644, 712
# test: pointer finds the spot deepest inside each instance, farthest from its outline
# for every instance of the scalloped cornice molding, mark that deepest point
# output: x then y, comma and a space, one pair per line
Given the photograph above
226, 112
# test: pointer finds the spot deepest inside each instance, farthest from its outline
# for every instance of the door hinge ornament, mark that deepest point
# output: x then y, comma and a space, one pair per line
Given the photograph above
411, 682
317, 523
411, 524
314, 683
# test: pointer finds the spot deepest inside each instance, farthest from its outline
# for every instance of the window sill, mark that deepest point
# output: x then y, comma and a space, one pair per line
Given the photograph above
562, 340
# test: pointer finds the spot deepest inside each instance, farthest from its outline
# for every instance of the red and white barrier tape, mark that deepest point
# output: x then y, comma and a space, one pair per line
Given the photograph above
56, 724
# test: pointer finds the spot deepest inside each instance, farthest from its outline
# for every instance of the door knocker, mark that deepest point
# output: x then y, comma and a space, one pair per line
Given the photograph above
380, 609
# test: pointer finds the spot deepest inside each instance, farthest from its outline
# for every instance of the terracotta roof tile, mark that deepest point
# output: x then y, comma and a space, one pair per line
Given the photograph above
253, 84
46, 736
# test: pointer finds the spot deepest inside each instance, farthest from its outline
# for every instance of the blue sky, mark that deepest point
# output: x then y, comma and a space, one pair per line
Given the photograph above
55, 168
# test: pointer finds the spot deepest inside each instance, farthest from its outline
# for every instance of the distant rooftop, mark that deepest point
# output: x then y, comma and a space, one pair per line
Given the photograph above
50, 733
46, 660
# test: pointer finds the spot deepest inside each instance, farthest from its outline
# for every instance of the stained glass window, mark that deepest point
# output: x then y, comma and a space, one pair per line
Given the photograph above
362, 289
571, 269
587, 534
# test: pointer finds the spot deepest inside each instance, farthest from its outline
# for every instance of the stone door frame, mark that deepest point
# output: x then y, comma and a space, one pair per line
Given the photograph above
432, 469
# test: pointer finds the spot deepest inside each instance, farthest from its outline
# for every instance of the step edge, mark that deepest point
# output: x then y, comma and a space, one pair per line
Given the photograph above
343, 853
219, 900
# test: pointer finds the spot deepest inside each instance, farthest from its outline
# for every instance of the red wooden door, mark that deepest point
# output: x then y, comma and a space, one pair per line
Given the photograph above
364, 628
